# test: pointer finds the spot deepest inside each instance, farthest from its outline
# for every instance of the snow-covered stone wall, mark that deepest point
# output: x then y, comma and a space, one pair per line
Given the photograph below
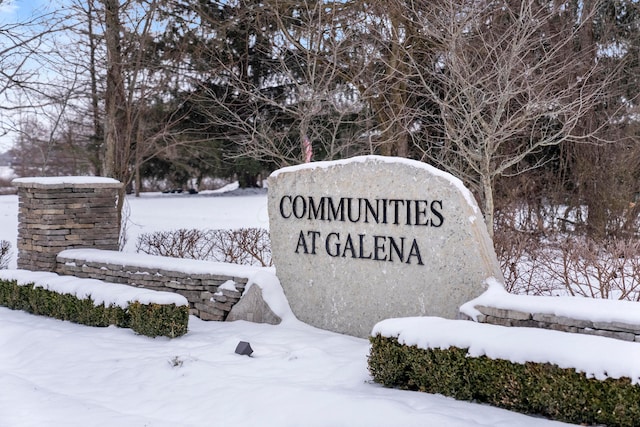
533, 319
590, 316
212, 289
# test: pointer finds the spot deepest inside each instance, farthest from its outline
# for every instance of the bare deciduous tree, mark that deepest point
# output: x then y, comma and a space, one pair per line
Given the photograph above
507, 84
26, 48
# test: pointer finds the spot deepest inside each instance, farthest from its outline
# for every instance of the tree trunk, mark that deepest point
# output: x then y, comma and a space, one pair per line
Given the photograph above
115, 110
114, 95
98, 133
487, 190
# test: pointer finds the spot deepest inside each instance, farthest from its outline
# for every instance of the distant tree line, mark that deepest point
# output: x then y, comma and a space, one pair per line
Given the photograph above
533, 104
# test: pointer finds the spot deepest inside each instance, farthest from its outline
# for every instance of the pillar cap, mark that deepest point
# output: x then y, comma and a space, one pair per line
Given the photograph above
54, 182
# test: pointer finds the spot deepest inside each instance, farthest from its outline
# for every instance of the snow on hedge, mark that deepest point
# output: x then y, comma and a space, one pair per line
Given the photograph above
100, 292
597, 357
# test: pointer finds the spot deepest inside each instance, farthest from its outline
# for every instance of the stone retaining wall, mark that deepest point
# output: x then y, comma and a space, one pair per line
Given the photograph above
211, 295
59, 213
62, 219
507, 317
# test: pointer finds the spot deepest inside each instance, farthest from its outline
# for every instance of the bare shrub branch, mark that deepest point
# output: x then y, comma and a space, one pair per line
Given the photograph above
574, 266
247, 246
5, 254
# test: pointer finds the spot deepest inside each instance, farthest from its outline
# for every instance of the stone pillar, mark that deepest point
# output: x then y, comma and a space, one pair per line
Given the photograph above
58, 213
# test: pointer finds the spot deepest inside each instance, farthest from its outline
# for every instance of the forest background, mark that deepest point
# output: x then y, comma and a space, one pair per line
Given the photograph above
533, 104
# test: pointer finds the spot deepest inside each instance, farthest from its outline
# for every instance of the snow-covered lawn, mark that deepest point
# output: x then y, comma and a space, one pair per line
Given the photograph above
55, 373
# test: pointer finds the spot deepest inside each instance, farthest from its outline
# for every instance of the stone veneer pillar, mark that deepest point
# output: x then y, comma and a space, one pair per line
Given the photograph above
58, 213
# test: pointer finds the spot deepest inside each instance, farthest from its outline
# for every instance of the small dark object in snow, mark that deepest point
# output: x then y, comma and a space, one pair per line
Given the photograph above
244, 348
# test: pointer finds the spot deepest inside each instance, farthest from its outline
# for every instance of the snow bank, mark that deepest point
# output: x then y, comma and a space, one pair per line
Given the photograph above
272, 294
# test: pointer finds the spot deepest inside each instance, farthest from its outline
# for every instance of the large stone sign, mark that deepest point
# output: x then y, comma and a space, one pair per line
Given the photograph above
369, 238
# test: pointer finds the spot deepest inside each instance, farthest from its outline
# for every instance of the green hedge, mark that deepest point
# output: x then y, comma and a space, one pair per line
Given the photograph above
146, 319
532, 388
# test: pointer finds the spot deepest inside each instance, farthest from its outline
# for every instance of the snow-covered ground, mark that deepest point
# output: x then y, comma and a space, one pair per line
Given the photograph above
56, 373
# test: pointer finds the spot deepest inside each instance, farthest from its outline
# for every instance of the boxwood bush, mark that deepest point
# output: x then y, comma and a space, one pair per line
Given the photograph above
530, 388
146, 319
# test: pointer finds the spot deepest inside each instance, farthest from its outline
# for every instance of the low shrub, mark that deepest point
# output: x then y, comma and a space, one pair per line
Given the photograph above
533, 264
146, 319
247, 246
531, 388
158, 319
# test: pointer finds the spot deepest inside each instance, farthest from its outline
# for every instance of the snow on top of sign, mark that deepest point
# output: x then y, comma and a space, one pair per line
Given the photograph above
593, 309
589, 354
99, 291
50, 180
456, 182
182, 265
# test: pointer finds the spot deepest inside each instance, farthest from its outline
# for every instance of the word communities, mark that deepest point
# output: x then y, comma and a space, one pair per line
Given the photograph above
354, 210
361, 246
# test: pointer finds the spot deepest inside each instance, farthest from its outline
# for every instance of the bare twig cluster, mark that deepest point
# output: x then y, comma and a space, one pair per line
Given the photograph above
578, 266
247, 246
